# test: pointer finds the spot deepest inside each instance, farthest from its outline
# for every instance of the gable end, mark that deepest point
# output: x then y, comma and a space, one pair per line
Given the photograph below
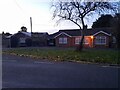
102, 32
64, 34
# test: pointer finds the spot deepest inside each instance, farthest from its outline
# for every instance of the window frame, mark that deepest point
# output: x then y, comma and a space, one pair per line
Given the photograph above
63, 40
100, 40
22, 40
78, 39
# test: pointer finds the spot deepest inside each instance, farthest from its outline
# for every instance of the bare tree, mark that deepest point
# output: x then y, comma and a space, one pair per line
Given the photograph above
76, 11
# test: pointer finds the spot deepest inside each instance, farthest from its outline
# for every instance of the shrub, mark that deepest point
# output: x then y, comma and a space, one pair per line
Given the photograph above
28, 42
14, 41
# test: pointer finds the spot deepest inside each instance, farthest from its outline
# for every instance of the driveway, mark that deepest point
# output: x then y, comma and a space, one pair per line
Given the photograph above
22, 72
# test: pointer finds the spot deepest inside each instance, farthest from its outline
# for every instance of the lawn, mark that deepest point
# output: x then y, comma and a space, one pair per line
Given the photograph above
109, 56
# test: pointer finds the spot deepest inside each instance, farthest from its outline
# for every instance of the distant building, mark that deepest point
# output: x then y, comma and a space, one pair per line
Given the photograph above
97, 37
6, 39
19, 39
24, 39
39, 38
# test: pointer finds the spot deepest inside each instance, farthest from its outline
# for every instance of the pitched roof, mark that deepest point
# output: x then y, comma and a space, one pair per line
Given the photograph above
39, 34
51, 36
26, 33
71, 32
96, 30
77, 32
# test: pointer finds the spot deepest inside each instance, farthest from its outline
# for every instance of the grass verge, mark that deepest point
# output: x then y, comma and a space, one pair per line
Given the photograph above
108, 56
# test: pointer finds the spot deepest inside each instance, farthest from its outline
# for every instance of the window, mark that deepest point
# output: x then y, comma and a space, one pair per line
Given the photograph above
63, 40
100, 40
78, 39
22, 40
86, 41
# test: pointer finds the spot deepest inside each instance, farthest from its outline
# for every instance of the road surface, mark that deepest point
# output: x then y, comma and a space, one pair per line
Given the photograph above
22, 72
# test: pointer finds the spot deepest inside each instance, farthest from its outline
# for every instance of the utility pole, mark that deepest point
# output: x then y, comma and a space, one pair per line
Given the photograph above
31, 24
31, 29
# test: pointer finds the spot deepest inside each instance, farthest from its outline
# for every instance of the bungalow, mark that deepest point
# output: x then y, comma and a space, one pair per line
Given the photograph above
23, 38
19, 39
98, 37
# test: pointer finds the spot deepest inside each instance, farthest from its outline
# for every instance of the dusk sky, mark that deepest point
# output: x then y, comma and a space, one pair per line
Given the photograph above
16, 13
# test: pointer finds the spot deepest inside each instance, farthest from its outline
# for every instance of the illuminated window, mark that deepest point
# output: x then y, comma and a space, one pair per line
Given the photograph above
101, 40
86, 41
63, 40
78, 39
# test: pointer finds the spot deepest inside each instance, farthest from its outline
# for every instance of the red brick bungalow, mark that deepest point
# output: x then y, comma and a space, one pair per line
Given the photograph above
99, 37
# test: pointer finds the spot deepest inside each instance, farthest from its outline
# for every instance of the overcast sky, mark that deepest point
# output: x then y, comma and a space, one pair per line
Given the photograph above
16, 13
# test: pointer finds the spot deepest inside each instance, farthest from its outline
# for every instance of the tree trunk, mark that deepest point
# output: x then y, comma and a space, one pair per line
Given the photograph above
81, 44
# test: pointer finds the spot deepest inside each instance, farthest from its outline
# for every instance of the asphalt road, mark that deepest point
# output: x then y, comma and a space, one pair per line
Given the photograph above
22, 72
